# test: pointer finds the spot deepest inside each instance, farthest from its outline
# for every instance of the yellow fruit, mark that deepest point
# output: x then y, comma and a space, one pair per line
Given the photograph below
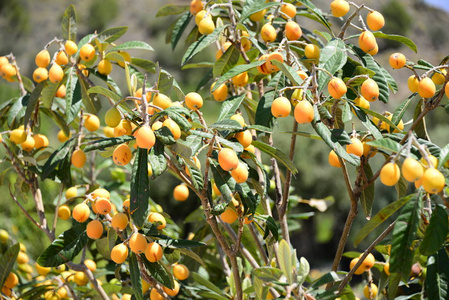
81, 212
339, 8
8, 71
439, 78
387, 268
11, 281
356, 147
390, 174
229, 215
245, 137
240, 174
108, 131
370, 291
70, 47
40, 74
122, 155
126, 205
154, 295
304, 112
172, 292
138, 243
64, 212
174, 128
145, 137
239, 118
62, 292
337, 88
155, 217
61, 92
81, 279
240, 79
333, 159
375, 20
257, 16
433, 181
56, 73
162, 101
22, 258
268, 33
312, 51
181, 272
446, 90
62, 137
397, 60
94, 229
3, 61
292, 31
126, 57
112, 117
42, 59
119, 253
196, 6
28, 144
71, 192
411, 169
228, 159
202, 14
206, 26
367, 41
78, 158
126, 297
18, 136
272, 57
91, 123
119, 221
426, 88
61, 58
367, 264
90, 264
413, 83
123, 128
104, 67
154, 252
42, 270
220, 52
221, 93
181, 192
87, 52
370, 90
100, 193
103, 206
193, 101
362, 102
83, 69
289, 10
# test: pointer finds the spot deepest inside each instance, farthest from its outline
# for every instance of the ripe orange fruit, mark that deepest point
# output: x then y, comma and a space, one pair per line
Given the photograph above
83, 69
104, 67
64, 212
390, 174
426, 88
229, 215
245, 137
122, 155
367, 264
162, 101
123, 128
154, 295
370, 90
181, 192
91, 122
138, 243
221, 93
202, 15
240, 174
362, 102
119, 253
61, 58
196, 6
56, 73
8, 71
119, 221
154, 252
42, 59
3, 61
387, 268
81, 212
126, 205
375, 20
78, 158
370, 291
433, 181
397, 60
61, 92
312, 51
172, 292
87, 52
257, 16
18, 136
432, 159
356, 147
240, 79
333, 159
411, 169
28, 144
70, 47
145, 137
11, 281
292, 31
94, 229
174, 128
339, 8
181, 272
446, 90
337, 88
206, 26
90, 264
100, 193
103, 206
439, 78
239, 118
367, 41
281, 107
304, 112
40, 74
289, 10
268, 33
413, 83
155, 217
271, 57
228, 159
193, 101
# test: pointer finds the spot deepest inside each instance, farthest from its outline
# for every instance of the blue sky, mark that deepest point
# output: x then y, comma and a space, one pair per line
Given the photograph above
439, 3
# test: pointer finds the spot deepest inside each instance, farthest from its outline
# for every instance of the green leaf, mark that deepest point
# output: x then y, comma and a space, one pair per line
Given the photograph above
386, 144
226, 62
57, 118
171, 9
398, 38
237, 147
379, 218
157, 159
224, 182
444, 156
289, 72
421, 127
400, 110
367, 197
145, 64
72, 96
167, 241
164, 135
285, 260
198, 65
182, 150
32, 102
112, 34
136, 278
105, 245
7, 261
56, 158
17, 110
27, 84
317, 12
48, 93
230, 106
102, 144
236, 71
252, 6
404, 233
201, 44
270, 226
226, 125
68, 24
437, 279
206, 283
105, 92
267, 273
178, 29
158, 272
277, 154
264, 117
332, 58
65, 247
140, 189
132, 45
436, 232
91, 102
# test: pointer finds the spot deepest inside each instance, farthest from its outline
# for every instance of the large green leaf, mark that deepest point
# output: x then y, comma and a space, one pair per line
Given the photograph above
56, 158
105, 245
436, 232
171, 9
437, 279
404, 233
224, 182
105, 92
277, 154
332, 58
201, 44
379, 218
72, 96
289, 72
32, 102
178, 29
48, 93
102, 144
285, 260
167, 241
235, 71
226, 125
136, 278
264, 117
363, 117
140, 188
157, 159
230, 106
236, 146
68, 23
317, 12
421, 127
252, 6
385, 144
7, 261
400, 110
398, 38
367, 196
226, 62
267, 273
112, 34
158, 272
91, 102
132, 45
65, 247
444, 156
206, 283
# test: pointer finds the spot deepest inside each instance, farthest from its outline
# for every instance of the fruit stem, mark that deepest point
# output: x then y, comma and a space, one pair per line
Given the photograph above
351, 17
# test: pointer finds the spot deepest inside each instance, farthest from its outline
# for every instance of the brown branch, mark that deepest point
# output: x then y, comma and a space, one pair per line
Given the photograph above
90, 276
258, 243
